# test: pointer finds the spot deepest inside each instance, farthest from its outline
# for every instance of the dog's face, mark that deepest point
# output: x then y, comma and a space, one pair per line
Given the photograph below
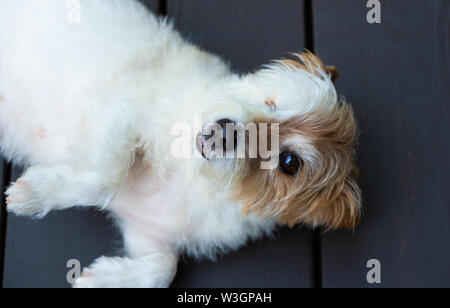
313, 181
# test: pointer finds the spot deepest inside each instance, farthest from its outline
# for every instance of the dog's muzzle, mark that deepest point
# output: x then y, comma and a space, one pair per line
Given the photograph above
203, 140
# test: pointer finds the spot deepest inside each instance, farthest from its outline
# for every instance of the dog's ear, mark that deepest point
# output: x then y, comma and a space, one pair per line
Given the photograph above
334, 208
345, 210
337, 207
310, 62
333, 72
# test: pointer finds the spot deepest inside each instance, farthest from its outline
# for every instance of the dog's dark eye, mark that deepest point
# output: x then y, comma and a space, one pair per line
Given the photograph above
290, 163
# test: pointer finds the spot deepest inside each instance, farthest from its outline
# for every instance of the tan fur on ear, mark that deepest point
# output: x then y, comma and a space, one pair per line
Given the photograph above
324, 192
311, 63
343, 210
333, 72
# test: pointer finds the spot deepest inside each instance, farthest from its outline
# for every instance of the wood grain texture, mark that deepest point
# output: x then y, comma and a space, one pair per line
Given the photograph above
397, 76
248, 34
152, 5
284, 261
2, 198
37, 251
3, 183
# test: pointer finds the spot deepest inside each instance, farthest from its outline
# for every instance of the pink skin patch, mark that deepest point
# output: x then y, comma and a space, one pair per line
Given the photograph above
21, 182
41, 133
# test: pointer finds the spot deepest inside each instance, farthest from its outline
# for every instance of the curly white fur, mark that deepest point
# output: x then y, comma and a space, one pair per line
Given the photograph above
89, 108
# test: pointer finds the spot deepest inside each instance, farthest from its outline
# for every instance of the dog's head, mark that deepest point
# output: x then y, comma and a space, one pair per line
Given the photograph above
313, 180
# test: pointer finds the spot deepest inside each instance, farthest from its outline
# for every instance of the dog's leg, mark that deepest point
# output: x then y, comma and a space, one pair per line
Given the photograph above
152, 263
45, 188
155, 270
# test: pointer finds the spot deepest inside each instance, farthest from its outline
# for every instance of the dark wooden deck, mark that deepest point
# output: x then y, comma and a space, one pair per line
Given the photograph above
396, 75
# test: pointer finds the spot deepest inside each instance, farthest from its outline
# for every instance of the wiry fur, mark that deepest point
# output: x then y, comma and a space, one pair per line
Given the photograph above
89, 109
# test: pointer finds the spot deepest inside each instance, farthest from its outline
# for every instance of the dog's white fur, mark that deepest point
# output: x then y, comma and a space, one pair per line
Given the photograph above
89, 108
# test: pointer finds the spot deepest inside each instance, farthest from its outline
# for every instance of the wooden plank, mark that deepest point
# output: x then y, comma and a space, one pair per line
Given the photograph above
248, 34
285, 261
2, 186
152, 5
37, 251
3, 182
397, 75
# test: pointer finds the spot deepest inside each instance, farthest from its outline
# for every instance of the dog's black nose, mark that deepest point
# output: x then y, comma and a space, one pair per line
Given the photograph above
227, 129
226, 124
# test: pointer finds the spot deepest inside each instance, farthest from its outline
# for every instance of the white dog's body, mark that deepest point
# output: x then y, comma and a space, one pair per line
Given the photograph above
90, 107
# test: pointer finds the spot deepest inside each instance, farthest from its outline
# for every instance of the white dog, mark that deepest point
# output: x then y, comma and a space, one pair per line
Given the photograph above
91, 109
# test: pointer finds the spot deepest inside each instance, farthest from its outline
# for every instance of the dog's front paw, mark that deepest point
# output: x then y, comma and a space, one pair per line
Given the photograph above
101, 274
22, 199
153, 271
